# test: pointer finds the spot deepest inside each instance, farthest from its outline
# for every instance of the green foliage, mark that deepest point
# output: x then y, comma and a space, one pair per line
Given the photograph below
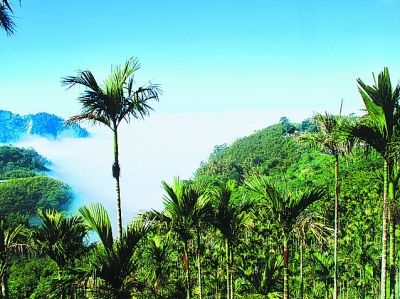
60, 238
20, 162
266, 152
232, 231
31, 277
21, 198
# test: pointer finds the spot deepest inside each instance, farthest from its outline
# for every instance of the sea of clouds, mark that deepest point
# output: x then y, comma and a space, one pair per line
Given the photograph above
152, 150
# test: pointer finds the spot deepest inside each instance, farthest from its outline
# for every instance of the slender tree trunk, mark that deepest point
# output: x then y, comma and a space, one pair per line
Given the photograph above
301, 270
384, 229
187, 270
285, 269
199, 277
336, 231
363, 281
392, 241
116, 174
228, 293
231, 272
4, 286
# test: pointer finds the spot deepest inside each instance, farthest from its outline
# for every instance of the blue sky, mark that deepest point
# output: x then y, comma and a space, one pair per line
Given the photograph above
226, 68
207, 55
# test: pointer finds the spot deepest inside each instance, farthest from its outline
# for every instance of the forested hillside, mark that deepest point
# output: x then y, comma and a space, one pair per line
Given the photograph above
24, 187
286, 161
20, 162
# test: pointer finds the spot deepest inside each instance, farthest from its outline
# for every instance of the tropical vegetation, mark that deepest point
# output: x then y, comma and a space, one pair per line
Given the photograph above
305, 210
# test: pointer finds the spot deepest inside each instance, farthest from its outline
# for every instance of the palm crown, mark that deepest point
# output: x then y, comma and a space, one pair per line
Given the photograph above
380, 128
6, 20
116, 100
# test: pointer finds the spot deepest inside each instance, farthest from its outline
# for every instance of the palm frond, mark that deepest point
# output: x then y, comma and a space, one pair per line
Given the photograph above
6, 21
89, 117
300, 203
370, 135
96, 217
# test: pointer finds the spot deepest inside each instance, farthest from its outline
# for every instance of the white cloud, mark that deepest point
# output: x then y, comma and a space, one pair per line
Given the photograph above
158, 148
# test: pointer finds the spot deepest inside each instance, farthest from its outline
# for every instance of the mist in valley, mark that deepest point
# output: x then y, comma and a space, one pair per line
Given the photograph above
155, 149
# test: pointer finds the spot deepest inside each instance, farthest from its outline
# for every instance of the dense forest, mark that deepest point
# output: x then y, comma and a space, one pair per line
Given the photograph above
24, 187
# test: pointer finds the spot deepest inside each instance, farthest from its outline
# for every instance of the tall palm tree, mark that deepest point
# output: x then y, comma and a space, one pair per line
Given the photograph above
111, 264
230, 218
112, 103
10, 243
380, 129
331, 140
6, 20
185, 208
285, 208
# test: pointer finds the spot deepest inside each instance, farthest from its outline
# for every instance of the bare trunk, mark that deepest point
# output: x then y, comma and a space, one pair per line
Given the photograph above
392, 241
301, 270
285, 269
187, 270
337, 192
116, 174
384, 231
4, 286
228, 293
231, 272
199, 278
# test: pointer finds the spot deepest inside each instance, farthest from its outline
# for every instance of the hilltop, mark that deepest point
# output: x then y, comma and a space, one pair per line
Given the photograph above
14, 126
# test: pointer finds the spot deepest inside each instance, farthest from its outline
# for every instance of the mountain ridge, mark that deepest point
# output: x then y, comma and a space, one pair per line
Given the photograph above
14, 127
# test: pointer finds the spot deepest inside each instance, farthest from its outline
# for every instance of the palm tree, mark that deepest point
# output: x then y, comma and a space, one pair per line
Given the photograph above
159, 251
112, 103
111, 265
9, 245
61, 238
285, 208
185, 210
264, 277
6, 21
331, 140
313, 224
230, 219
380, 129
323, 269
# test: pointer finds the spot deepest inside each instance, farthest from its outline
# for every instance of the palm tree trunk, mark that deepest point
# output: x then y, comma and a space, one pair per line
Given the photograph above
228, 294
384, 229
4, 286
199, 265
392, 232
285, 269
301, 271
116, 174
187, 270
231, 272
336, 232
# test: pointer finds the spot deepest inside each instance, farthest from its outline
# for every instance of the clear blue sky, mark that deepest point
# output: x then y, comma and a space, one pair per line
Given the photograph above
208, 55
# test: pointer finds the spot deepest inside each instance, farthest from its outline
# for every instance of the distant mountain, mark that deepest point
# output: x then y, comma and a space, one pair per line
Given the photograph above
14, 126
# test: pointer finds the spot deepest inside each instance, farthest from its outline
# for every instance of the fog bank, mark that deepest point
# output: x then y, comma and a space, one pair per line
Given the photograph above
155, 149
